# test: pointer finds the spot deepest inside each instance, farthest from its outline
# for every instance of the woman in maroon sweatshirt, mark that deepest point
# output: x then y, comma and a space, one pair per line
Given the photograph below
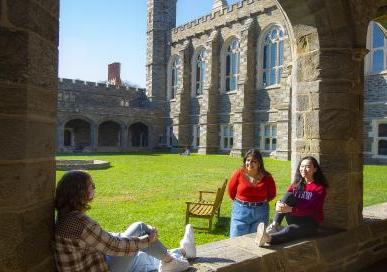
307, 192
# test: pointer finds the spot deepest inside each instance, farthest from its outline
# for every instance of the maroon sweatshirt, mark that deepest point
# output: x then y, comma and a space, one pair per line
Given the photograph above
310, 201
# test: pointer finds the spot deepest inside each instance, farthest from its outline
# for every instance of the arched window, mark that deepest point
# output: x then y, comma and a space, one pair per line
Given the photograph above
199, 71
273, 57
376, 44
174, 77
232, 66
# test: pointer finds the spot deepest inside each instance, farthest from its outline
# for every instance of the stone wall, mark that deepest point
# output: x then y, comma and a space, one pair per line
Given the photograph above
107, 112
345, 251
28, 85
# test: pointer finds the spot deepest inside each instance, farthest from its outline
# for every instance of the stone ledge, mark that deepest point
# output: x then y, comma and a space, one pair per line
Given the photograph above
343, 251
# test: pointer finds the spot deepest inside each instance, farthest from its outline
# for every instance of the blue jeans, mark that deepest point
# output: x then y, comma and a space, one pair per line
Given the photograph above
245, 219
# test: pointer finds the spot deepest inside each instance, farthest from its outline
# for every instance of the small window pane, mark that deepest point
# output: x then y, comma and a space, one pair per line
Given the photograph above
378, 39
267, 144
267, 131
378, 61
274, 144
233, 84
225, 142
382, 148
228, 68
231, 142
382, 130
265, 57
273, 56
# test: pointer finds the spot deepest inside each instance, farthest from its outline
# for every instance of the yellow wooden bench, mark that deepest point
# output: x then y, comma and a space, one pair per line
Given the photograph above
206, 208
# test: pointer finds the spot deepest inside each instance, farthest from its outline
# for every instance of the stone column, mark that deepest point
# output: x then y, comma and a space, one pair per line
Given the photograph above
209, 129
327, 122
243, 118
284, 115
59, 137
124, 137
94, 136
180, 115
28, 87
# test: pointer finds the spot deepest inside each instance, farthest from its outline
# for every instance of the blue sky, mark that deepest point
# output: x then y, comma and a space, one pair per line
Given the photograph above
94, 33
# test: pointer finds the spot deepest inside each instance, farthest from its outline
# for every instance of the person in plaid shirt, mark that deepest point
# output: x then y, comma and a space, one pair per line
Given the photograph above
82, 245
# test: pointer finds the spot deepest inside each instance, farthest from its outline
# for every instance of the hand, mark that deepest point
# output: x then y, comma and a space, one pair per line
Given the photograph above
282, 207
153, 235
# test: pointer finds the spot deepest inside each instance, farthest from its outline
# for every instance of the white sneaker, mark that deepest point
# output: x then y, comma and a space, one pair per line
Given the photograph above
188, 242
262, 237
273, 228
176, 265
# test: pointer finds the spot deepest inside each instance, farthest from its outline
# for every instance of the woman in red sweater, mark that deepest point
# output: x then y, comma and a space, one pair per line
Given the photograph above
306, 195
251, 188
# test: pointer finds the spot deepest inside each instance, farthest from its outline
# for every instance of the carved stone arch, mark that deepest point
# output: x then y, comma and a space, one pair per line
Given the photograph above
196, 52
171, 60
109, 133
139, 134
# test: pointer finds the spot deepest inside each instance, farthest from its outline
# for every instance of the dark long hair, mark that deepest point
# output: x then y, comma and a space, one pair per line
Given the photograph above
72, 192
258, 156
318, 176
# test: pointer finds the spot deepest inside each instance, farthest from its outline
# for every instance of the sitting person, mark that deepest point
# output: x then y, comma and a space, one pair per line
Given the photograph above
82, 245
302, 206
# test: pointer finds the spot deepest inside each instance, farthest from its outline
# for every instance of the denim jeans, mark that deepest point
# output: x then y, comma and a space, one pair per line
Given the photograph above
245, 219
145, 260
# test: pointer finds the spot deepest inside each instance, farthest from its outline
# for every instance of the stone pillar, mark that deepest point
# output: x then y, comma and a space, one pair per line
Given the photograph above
28, 87
284, 116
209, 129
243, 118
124, 137
94, 136
327, 114
59, 137
181, 128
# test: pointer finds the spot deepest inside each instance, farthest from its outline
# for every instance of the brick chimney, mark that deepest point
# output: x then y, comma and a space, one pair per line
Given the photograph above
219, 5
114, 74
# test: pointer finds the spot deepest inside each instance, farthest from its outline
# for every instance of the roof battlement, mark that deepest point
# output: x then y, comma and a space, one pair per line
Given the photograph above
82, 84
236, 11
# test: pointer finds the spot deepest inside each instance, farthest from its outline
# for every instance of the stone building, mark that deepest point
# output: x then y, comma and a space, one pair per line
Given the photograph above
375, 96
223, 79
102, 117
327, 40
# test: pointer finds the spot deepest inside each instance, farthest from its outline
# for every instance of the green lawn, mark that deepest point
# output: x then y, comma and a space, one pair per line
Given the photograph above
153, 187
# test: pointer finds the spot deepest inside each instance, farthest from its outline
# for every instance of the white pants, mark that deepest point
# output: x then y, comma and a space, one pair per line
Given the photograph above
146, 260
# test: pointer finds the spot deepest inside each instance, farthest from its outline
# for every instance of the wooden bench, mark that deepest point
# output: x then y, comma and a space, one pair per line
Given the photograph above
205, 208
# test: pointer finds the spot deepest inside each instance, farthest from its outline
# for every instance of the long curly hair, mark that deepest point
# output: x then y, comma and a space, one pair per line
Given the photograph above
72, 192
318, 176
258, 156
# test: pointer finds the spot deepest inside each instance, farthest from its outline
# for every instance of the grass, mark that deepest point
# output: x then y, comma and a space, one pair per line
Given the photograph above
153, 187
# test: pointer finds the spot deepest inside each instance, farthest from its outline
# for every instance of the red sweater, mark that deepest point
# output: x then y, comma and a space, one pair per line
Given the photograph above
240, 187
310, 201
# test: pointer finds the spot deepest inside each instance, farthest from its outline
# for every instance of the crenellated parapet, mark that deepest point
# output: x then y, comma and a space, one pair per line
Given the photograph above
67, 83
227, 16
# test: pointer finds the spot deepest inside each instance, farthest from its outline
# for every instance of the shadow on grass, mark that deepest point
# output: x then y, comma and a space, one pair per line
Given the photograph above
222, 226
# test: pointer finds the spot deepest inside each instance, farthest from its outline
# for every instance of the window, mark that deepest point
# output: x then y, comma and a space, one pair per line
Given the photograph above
382, 139
272, 57
376, 43
199, 72
174, 78
267, 137
232, 66
226, 137
196, 136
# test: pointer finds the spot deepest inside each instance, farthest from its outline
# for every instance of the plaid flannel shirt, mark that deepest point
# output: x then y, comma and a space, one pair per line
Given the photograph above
81, 244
